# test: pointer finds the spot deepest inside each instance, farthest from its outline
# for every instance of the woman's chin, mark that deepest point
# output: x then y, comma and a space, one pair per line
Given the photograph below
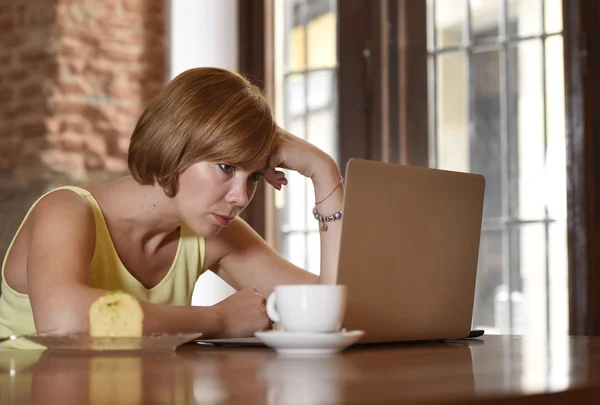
207, 230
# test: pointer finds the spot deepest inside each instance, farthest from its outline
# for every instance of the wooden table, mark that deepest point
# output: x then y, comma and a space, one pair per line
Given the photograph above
494, 369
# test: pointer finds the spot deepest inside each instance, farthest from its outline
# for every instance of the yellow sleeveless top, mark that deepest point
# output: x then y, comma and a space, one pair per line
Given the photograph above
109, 273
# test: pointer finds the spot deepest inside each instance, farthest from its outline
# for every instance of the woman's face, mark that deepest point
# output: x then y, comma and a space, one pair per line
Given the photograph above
211, 195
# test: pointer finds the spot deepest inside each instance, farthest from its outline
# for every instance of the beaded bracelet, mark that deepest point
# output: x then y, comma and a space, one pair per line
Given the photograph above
325, 218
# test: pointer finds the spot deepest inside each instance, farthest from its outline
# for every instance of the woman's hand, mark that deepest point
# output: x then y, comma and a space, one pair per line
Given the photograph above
296, 154
242, 314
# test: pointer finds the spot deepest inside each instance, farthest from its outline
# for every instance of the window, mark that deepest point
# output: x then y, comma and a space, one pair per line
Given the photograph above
497, 108
306, 87
495, 90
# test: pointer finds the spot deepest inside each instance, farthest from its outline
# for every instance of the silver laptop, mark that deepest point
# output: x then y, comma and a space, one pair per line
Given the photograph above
409, 250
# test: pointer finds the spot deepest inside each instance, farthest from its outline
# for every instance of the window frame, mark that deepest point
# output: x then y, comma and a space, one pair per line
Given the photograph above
582, 55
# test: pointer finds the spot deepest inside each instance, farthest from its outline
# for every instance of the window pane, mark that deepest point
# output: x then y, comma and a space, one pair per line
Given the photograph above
526, 116
450, 16
320, 89
524, 18
314, 247
293, 248
321, 31
559, 280
297, 126
310, 223
491, 311
530, 313
452, 112
553, 16
293, 217
485, 148
556, 181
485, 17
321, 130
295, 101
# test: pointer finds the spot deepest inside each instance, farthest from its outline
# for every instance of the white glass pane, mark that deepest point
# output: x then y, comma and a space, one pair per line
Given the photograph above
314, 249
321, 131
452, 112
295, 203
295, 100
530, 313
297, 127
320, 89
524, 18
485, 18
526, 109
553, 16
309, 198
293, 248
450, 16
559, 278
491, 310
556, 172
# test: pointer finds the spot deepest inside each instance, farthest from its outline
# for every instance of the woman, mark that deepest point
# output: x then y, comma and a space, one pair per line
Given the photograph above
195, 157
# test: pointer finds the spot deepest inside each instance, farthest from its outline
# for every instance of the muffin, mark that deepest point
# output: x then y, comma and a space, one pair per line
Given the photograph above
116, 314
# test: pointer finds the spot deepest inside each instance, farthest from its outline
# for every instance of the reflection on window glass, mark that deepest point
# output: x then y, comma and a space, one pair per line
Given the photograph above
499, 111
307, 81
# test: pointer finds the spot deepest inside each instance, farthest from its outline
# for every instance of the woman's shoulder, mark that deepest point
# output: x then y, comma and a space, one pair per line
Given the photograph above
67, 203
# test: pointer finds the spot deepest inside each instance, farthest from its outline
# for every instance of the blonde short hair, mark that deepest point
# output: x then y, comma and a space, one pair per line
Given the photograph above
203, 114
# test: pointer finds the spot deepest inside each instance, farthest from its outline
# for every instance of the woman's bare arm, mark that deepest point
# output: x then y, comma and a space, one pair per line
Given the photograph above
242, 258
58, 274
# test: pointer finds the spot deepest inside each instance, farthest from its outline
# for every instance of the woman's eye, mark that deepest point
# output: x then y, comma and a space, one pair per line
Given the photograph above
254, 177
228, 169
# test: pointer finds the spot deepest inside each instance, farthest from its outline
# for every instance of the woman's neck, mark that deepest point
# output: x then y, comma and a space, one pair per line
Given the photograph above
144, 214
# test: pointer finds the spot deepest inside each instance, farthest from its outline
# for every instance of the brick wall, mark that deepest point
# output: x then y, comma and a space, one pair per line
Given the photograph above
74, 78
26, 64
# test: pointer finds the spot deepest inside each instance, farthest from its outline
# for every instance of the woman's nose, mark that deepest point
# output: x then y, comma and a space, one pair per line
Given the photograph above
238, 194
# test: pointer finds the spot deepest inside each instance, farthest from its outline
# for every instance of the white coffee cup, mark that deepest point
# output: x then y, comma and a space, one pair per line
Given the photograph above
314, 308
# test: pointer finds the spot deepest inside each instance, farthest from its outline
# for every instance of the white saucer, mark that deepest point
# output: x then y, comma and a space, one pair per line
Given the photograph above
309, 343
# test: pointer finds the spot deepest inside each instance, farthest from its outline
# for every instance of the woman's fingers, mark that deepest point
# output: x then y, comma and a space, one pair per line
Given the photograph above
274, 175
277, 185
276, 178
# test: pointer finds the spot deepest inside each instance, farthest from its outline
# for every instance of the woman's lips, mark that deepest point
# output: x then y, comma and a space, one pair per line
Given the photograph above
223, 220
